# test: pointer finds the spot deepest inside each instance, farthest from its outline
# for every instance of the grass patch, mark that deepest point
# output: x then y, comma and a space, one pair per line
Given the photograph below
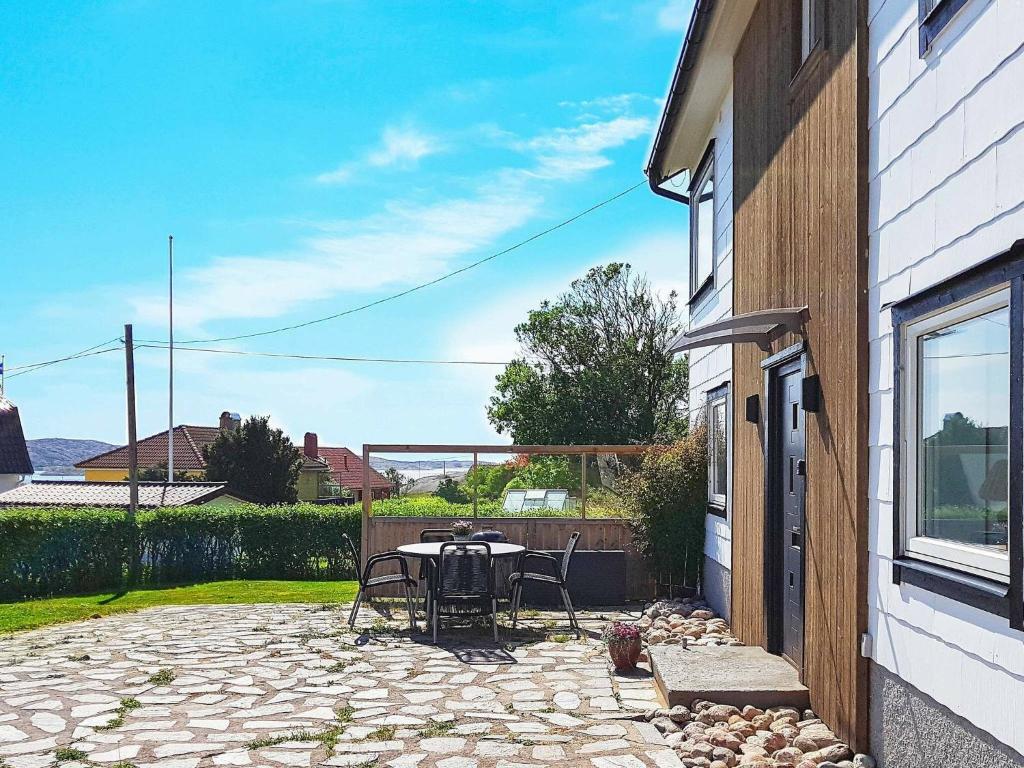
164, 677
127, 705
328, 737
338, 666
67, 754
345, 714
124, 764
435, 729
560, 638
384, 733
29, 614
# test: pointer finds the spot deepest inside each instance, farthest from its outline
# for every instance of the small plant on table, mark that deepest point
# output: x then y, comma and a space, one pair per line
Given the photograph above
462, 530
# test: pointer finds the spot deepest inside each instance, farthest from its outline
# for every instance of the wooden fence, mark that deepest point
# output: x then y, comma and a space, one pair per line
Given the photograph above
384, 534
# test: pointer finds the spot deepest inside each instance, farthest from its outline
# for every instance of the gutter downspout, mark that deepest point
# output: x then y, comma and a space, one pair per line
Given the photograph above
680, 80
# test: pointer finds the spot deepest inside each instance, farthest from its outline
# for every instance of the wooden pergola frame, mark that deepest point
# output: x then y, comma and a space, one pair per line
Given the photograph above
476, 450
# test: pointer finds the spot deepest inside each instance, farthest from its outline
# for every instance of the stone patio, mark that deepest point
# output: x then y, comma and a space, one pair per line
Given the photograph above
289, 685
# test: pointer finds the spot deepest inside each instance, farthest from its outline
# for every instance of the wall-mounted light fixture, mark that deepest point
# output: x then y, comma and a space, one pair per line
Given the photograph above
753, 409
810, 395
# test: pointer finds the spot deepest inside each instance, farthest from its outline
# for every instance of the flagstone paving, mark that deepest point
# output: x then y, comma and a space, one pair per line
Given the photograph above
289, 686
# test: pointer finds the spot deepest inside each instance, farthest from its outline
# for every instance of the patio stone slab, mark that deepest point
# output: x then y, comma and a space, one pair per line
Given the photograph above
737, 675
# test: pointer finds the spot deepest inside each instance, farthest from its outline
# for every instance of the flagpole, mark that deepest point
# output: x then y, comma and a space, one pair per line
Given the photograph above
170, 355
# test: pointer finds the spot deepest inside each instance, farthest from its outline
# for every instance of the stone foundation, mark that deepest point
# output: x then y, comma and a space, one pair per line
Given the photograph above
910, 728
717, 585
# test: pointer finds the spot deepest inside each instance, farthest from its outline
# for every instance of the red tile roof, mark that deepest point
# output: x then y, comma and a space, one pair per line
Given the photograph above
14, 458
189, 442
347, 469
77, 493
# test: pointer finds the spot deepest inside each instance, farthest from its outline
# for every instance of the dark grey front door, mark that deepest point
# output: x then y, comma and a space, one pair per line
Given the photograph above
786, 510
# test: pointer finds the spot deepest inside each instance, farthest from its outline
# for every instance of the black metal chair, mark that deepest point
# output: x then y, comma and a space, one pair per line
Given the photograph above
463, 584
557, 577
431, 536
368, 581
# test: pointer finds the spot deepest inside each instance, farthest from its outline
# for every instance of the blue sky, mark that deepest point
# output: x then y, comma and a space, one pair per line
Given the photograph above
310, 156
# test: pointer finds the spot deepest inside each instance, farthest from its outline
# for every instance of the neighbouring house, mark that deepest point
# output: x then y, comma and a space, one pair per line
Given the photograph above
853, 175
189, 442
346, 469
76, 493
15, 464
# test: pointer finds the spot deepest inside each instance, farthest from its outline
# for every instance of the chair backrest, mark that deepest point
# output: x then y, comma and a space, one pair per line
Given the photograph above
355, 557
570, 547
435, 535
464, 569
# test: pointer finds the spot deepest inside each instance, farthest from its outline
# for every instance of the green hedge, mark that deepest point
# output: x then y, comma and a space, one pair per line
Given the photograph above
62, 551
604, 505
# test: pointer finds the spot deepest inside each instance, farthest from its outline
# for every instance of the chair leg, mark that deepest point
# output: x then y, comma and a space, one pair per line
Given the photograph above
517, 594
412, 609
435, 624
569, 610
355, 609
494, 617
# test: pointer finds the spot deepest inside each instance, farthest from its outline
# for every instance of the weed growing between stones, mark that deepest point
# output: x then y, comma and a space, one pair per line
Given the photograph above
68, 754
384, 733
127, 705
435, 729
163, 677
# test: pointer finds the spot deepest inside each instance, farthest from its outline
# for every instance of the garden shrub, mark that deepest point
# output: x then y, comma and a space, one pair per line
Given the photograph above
62, 551
666, 498
53, 551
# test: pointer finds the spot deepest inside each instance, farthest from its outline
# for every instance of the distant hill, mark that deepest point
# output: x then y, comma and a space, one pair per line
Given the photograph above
58, 455
380, 464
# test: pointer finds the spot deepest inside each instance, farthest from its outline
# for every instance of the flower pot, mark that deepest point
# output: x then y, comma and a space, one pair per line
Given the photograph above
624, 653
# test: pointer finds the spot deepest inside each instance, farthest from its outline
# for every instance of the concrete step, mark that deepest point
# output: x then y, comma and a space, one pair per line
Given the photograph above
737, 675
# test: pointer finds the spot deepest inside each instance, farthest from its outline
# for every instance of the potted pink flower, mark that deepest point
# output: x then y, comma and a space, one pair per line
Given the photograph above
624, 645
462, 530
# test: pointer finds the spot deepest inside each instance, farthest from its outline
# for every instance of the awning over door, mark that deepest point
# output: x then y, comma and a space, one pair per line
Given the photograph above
761, 328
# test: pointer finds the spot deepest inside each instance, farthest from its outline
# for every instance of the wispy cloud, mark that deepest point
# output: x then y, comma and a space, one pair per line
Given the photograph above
399, 148
674, 15
403, 244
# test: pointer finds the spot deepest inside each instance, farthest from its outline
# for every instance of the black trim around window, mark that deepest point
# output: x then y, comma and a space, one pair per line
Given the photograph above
721, 392
932, 18
992, 596
705, 170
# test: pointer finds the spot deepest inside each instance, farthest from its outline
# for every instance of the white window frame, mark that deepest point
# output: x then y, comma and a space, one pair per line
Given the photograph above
808, 36
718, 500
964, 557
705, 173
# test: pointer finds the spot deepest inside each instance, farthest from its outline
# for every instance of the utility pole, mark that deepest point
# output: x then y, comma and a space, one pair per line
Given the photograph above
133, 458
170, 354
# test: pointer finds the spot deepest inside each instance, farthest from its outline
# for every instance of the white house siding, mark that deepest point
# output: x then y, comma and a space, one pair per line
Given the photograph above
946, 191
712, 366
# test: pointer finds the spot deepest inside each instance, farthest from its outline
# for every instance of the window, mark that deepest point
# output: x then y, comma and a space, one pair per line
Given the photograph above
958, 447
957, 436
718, 448
702, 226
807, 31
808, 25
933, 16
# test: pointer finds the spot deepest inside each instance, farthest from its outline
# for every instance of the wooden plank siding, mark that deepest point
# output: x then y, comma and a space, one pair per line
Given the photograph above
387, 533
800, 239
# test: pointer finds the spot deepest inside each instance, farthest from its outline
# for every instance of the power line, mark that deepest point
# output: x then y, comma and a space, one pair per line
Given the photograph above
414, 288
89, 352
341, 358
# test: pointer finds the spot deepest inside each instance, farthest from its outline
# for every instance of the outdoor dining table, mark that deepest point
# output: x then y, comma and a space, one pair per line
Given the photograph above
431, 550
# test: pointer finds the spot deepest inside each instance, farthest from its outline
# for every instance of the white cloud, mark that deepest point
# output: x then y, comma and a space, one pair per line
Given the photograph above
399, 148
402, 245
674, 15
567, 153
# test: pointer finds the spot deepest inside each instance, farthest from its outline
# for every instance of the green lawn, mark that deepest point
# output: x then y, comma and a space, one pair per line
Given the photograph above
37, 613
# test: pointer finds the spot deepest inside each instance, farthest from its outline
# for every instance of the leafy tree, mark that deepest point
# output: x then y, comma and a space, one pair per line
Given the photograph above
489, 481
397, 479
449, 490
158, 473
595, 367
258, 463
547, 472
